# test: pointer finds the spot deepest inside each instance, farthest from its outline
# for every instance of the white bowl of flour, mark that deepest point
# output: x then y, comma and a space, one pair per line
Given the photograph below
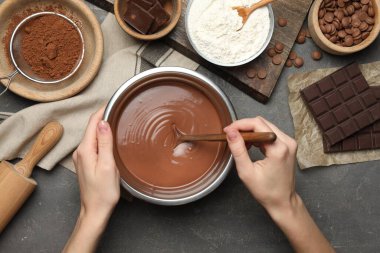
212, 28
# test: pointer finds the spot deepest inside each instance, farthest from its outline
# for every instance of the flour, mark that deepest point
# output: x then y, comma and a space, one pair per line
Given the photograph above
213, 25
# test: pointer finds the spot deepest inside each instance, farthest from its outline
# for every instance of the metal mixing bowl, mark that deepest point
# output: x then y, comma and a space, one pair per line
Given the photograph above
254, 56
214, 177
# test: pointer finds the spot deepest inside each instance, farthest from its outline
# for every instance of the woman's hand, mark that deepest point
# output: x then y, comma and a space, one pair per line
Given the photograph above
98, 176
272, 182
99, 184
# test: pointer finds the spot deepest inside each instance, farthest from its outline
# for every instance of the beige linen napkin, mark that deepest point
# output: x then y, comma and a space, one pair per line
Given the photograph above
121, 61
309, 138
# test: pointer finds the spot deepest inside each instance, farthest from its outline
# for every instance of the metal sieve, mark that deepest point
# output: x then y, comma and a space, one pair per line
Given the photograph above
21, 65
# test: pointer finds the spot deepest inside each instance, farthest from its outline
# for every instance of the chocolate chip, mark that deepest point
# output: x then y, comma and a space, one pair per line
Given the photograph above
316, 55
371, 12
370, 21
356, 32
342, 34
251, 73
271, 52
321, 13
301, 39
277, 59
362, 15
298, 62
365, 35
358, 41
334, 39
329, 17
282, 22
292, 55
363, 26
279, 47
356, 23
341, 3
262, 73
357, 5
350, 10
348, 41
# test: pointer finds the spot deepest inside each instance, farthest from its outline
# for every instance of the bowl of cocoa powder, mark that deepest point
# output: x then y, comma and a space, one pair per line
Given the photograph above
344, 27
47, 47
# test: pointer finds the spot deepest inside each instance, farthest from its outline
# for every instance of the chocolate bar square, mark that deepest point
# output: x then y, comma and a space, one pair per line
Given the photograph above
138, 18
366, 139
351, 106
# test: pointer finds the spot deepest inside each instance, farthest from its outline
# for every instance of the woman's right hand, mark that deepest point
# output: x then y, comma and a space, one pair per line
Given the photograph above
271, 180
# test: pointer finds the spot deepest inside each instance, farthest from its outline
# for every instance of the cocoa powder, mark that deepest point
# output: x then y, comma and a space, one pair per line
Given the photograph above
51, 46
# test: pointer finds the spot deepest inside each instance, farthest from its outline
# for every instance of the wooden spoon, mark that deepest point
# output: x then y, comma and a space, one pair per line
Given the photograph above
245, 11
253, 137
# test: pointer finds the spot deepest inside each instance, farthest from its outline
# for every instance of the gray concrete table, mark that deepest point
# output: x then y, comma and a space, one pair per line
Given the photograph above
342, 199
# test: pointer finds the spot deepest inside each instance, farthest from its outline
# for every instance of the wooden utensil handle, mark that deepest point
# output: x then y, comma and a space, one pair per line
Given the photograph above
258, 137
260, 4
46, 140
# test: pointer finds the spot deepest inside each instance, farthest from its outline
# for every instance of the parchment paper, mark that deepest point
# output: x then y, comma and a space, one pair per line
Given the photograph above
307, 134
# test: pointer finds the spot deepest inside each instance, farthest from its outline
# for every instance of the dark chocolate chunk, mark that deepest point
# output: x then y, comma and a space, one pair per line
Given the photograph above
160, 15
138, 18
366, 139
343, 93
146, 5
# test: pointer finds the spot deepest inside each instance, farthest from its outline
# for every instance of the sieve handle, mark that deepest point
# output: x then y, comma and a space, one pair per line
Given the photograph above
8, 83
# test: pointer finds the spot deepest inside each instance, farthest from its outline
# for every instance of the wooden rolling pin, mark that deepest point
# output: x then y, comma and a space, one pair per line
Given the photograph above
15, 184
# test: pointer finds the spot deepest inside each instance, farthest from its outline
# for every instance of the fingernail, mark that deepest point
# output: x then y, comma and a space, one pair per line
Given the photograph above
103, 126
232, 135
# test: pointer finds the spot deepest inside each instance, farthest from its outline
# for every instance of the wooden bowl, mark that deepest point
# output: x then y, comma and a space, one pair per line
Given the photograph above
80, 13
332, 48
173, 7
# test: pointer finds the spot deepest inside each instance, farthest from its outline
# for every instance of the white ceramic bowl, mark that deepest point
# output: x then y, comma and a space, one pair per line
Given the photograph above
254, 56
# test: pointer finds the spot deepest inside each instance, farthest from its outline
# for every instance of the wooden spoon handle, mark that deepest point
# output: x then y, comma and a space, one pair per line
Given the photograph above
259, 4
258, 137
46, 140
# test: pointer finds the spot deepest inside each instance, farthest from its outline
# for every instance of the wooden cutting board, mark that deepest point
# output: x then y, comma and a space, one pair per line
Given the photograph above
294, 11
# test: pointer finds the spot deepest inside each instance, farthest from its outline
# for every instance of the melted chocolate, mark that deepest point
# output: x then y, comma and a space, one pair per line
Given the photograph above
146, 139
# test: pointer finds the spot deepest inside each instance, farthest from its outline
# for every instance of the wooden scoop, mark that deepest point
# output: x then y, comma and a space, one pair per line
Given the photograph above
15, 184
245, 11
253, 137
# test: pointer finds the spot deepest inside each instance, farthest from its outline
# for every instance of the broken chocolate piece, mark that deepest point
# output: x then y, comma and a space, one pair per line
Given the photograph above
146, 5
138, 18
161, 17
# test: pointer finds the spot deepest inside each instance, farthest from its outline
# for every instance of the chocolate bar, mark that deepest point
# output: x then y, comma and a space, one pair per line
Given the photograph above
342, 103
366, 139
138, 18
